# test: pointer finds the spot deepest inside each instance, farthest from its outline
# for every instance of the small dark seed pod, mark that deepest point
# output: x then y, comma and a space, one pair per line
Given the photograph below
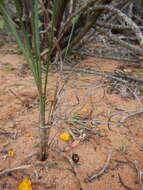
75, 158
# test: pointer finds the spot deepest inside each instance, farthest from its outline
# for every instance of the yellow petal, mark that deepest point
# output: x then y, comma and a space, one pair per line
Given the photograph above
127, 70
65, 136
27, 135
84, 110
140, 134
89, 123
10, 153
25, 184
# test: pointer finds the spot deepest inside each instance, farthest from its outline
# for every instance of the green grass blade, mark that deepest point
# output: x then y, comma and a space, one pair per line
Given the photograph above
36, 42
25, 51
71, 34
50, 45
35, 27
19, 15
10, 24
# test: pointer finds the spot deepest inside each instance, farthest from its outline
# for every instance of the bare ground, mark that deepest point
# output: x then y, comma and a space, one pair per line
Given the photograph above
85, 95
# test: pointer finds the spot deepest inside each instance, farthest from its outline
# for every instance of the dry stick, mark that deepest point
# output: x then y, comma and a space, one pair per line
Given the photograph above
121, 42
17, 97
23, 103
130, 23
115, 76
31, 154
105, 50
134, 166
95, 176
130, 11
88, 4
22, 167
72, 134
123, 184
4, 132
59, 91
121, 5
125, 18
115, 26
74, 169
130, 114
137, 60
138, 18
140, 173
6, 171
82, 186
135, 95
127, 77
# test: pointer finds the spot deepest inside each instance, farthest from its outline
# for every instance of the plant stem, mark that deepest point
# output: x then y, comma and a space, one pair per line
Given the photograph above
42, 130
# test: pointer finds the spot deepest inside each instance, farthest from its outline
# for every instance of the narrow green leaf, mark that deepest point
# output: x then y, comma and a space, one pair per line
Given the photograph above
20, 18
35, 27
1, 22
12, 28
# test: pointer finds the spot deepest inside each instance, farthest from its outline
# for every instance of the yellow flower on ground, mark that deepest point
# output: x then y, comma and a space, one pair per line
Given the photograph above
25, 184
89, 123
127, 70
27, 135
139, 133
10, 153
65, 136
84, 110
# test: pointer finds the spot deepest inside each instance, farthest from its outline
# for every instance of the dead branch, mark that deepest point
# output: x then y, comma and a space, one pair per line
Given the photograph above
118, 5
22, 167
115, 26
68, 23
82, 186
99, 55
6, 171
83, 24
4, 132
130, 114
123, 78
90, 178
124, 18
121, 42
140, 173
123, 184
73, 166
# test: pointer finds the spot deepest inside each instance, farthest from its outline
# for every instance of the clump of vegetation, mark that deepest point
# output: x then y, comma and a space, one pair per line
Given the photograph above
45, 31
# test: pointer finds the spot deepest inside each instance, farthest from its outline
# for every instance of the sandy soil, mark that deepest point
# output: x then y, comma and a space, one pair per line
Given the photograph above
84, 95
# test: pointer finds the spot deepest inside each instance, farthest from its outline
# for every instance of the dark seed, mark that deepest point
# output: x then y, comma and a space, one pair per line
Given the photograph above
75, 158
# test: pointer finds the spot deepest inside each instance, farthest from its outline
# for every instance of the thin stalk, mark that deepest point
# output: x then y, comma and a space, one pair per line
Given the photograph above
42, 130
51, 37
45, 130
71, 34
20, 15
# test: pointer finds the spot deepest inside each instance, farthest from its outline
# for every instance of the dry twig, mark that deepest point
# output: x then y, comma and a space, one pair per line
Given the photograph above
124, 18
73, 166
97, 175
6, 171
123, 184
130, 113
